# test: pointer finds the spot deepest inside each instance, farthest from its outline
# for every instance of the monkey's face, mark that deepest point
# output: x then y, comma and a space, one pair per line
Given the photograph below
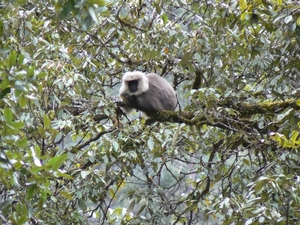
133, 85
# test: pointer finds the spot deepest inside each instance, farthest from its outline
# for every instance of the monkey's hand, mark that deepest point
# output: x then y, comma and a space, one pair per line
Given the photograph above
125, 95
123, 101
128, 100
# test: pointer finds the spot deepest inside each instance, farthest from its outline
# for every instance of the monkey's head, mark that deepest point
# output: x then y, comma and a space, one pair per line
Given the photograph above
134, 83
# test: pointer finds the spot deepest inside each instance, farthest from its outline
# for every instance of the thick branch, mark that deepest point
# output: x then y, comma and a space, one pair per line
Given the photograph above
238, 122
247, 109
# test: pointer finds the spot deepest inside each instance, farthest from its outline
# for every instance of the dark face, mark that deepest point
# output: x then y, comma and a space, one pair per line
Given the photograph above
133, 85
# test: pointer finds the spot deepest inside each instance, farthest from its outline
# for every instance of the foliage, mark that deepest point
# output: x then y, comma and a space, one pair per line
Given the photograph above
230, 157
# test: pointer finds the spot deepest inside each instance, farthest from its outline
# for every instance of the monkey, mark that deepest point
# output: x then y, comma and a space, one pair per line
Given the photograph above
149, 93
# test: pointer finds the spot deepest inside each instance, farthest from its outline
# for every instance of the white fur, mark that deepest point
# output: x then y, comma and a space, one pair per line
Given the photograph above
143, 85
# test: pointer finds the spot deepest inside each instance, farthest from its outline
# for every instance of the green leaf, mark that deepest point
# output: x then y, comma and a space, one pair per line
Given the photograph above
4, 92
165, 18
259, 185
115, 145
66, 195
82, 204
22, 101
111, 192
22, 219
46, 122
30, 191
1, 27
243, 4
12, 58
131, 206
141, 210
246, 162
20, 58
298, 21
18, 165
97, 2
22, 142
67, 176
30, 72
288, 19
8, 115
5, 83
295, 135
249, 221
57, 161
17, 125
84, 173
157, 7
157, 152
150, 144
67, 8
93, 14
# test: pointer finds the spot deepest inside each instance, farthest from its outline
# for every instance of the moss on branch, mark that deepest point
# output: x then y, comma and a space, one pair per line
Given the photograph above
246, 109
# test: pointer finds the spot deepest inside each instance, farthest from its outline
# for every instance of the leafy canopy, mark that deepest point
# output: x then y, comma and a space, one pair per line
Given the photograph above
231, 156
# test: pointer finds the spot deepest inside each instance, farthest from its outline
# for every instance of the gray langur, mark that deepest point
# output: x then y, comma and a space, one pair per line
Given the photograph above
149, 93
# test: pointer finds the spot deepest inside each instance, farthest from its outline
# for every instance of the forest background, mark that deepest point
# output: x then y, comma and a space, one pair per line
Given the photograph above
231, 156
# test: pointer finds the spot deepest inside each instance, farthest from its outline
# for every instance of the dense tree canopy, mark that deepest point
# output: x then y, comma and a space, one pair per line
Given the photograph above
229, 156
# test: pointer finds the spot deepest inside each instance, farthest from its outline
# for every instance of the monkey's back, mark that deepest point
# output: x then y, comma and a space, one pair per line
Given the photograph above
160, 96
